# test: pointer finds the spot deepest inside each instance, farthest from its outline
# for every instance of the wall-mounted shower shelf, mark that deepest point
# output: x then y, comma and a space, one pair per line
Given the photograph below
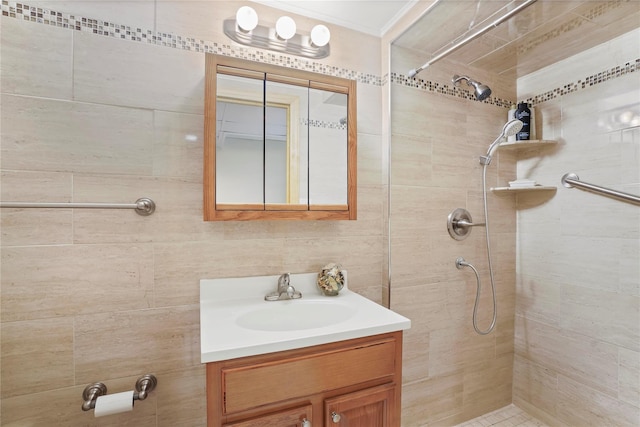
523, 189
533, 143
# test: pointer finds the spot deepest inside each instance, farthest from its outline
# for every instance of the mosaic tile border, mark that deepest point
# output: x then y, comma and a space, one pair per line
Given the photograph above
588, 81
44, 16
324, 124
443, 89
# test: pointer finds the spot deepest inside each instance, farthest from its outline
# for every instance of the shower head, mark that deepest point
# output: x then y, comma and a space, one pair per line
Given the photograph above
481, 91
510, 128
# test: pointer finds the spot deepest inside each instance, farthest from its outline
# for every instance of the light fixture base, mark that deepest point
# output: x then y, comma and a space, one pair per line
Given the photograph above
261, 37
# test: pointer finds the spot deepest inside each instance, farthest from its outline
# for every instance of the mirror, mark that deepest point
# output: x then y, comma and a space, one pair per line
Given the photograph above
279, 143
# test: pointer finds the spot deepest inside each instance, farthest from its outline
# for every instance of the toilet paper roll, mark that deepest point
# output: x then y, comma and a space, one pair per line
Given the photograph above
114, 403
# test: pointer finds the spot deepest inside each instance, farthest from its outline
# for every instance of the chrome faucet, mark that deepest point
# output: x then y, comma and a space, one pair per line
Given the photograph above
285, 290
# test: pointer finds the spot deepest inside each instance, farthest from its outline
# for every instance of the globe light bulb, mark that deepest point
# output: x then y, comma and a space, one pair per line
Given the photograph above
247, 18
285, 27
320, 35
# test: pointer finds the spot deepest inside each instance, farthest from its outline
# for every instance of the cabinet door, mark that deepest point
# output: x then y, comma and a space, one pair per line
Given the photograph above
296, 417
372, 407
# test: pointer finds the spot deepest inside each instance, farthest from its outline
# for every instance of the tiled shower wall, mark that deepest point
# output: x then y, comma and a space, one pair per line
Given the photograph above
576, 322
577, 335
103, 102
451, 374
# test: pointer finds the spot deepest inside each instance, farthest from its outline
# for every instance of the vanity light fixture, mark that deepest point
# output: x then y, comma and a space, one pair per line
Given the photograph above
244, 29
247, 18
320, 35
285, 27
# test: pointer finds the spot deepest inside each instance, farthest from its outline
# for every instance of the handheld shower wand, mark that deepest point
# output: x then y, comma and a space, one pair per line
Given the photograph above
510, 128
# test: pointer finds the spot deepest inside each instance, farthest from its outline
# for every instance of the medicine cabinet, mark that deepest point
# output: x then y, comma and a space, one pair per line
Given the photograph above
279, 143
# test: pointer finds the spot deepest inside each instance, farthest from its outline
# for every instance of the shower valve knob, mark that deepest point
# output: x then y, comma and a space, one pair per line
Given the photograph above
459, 224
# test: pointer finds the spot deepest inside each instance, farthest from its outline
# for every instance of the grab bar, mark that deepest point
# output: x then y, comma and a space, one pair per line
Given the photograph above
570, 180
143, 206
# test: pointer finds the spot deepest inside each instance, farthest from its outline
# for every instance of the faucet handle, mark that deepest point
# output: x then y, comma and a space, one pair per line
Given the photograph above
285, 290
283, 281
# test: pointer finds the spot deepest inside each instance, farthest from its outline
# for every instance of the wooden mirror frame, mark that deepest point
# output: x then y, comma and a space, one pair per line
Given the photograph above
233, 212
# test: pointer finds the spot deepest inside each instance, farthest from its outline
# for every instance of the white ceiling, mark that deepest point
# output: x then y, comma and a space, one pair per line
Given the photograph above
373, 17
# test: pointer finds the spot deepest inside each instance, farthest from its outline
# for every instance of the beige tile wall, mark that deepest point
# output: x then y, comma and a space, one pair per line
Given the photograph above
451, 374
109, 295
577, 336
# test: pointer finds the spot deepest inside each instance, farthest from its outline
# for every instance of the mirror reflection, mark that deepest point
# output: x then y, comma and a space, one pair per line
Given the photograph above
261, 144
282, 143
327, 147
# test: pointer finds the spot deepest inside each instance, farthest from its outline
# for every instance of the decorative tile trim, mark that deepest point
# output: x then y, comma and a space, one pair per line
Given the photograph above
601, 77
434, 87
44, 16
595, 79
324, 124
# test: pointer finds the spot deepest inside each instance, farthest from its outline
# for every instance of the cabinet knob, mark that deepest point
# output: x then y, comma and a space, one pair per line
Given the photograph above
335, 417
305, 423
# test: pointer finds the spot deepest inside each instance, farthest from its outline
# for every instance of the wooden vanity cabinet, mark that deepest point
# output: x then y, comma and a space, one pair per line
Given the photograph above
353, 383
365, 408
289, 418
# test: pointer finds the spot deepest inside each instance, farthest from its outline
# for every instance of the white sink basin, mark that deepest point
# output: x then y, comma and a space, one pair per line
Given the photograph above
236, 321
295, 315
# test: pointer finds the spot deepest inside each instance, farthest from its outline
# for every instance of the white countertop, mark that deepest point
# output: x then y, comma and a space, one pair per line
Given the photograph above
224, 301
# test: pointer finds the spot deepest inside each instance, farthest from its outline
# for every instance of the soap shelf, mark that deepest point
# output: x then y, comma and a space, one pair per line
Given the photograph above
528, 143
532, 143
523, 189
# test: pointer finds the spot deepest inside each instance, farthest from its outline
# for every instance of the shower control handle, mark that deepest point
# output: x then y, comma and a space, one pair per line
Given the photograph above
465, 223
459, 223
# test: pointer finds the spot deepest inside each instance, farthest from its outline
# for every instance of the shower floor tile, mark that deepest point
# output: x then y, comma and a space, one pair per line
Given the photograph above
509, 416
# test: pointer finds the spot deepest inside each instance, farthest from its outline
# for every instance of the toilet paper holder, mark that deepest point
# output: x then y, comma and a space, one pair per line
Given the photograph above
144, 385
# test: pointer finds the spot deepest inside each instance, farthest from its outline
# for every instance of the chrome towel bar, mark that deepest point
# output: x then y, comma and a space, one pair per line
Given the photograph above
143, 206
570, 180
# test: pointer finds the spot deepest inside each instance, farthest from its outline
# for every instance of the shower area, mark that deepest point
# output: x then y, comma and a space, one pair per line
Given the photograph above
566, 262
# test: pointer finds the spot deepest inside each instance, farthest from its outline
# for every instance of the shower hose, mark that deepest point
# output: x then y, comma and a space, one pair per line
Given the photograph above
460, 262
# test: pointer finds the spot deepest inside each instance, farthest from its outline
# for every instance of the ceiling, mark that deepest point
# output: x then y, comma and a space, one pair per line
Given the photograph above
373, 17
545, 32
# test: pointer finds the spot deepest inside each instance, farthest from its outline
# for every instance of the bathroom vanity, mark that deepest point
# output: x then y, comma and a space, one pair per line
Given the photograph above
309, 362
355, 382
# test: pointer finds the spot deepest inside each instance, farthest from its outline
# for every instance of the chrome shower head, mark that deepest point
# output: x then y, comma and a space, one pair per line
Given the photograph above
481, 91
510, 128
